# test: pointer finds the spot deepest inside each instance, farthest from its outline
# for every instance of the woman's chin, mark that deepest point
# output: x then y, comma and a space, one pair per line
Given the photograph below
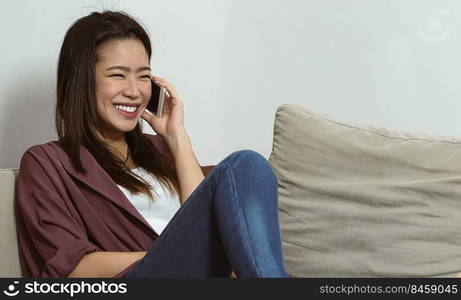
126, 127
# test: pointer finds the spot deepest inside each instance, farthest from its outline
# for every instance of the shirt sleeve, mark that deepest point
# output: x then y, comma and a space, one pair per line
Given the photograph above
57, 240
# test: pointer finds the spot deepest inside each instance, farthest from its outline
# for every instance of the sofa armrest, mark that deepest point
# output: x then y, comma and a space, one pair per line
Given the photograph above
207, 169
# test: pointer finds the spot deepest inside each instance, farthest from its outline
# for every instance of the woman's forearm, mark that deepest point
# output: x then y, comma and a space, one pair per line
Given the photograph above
188, 168
105, 264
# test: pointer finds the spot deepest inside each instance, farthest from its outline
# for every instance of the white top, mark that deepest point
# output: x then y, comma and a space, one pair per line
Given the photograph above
159, 212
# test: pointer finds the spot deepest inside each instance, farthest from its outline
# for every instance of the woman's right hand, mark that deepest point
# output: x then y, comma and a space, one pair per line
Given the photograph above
171, 124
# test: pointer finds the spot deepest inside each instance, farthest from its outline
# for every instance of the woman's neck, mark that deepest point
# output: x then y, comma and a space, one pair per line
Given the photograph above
119, 147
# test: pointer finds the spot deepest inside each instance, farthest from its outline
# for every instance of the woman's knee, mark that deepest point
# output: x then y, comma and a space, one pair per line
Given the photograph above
244, 157
250, 162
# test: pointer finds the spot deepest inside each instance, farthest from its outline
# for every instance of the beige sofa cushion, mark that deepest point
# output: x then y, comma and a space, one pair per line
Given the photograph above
361, 201
9, 259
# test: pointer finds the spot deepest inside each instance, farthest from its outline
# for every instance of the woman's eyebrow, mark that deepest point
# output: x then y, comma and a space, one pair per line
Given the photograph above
128, 69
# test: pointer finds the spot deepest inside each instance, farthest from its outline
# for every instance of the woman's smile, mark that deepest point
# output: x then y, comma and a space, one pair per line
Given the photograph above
127, 111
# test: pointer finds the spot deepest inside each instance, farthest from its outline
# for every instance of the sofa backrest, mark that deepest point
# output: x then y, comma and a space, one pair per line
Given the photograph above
9, 258
357, 200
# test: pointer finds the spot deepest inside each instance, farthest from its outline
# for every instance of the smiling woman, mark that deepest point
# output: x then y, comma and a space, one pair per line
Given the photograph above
108, 56
107, 200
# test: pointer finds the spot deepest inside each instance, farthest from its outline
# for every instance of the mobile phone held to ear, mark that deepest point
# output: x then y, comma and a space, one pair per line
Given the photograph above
155, 105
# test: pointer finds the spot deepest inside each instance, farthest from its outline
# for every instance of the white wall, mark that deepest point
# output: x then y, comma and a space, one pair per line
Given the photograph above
390, 63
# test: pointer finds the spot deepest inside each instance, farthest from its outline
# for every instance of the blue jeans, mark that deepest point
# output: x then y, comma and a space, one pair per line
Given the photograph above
229, 222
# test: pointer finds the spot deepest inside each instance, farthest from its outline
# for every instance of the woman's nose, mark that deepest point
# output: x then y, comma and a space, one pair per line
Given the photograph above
132, 90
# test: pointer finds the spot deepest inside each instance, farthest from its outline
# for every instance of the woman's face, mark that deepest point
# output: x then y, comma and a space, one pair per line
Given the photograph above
122, 83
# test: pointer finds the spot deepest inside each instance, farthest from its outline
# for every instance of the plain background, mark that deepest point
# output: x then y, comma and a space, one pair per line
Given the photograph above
388, 63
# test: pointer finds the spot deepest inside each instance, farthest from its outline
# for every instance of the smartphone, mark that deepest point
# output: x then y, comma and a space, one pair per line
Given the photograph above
157, 100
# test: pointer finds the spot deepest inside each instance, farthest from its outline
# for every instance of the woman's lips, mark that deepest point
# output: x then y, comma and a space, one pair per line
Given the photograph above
128, 114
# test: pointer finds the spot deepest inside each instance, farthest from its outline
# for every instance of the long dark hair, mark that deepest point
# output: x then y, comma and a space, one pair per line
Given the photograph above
76, 116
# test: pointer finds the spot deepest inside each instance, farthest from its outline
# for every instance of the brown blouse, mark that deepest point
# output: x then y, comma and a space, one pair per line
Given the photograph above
62, 215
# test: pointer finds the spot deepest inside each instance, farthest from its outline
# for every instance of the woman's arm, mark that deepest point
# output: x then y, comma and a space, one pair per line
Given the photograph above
188, 169
171, 127
105, 264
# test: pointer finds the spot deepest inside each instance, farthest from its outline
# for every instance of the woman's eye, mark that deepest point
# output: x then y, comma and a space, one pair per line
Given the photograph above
145, 76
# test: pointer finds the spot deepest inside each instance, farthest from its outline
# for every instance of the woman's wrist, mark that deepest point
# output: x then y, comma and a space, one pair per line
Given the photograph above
178, 142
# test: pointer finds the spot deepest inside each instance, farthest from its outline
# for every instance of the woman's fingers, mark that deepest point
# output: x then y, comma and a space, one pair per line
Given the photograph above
146, 116
169, 87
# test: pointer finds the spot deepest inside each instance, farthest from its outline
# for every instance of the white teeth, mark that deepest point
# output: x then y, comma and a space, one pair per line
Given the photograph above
126, 108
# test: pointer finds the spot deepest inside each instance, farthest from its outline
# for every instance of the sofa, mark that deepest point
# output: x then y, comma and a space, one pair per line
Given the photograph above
355, 200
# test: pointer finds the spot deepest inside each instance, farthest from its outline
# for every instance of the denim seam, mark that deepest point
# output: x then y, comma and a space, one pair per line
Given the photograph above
245, 234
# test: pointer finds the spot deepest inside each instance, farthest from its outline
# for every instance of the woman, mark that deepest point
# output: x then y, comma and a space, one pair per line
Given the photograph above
85, 203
